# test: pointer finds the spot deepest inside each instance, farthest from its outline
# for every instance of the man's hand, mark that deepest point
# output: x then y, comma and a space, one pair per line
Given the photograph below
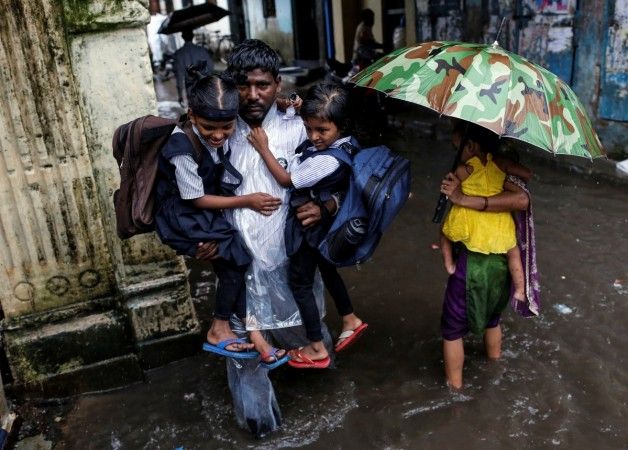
309, 214
207, 251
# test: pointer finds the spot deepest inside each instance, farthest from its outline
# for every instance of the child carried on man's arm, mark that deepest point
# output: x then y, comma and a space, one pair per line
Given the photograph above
190, 197
315, 175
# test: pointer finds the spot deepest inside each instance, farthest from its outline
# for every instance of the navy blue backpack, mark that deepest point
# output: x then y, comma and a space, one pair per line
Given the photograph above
379, 187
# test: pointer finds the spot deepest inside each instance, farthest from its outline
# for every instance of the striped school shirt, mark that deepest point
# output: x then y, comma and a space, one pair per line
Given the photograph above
315, 168
189, 182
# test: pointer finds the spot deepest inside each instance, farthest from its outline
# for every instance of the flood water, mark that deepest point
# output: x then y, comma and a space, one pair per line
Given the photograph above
562, 382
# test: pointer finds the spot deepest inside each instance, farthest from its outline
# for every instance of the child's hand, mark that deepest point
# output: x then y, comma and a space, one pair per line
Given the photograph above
450, 186
258, 139
297, 103
283, 103
263, 203
206, 251
450, 268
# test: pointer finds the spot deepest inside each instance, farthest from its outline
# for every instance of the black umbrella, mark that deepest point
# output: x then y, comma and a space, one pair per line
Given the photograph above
192, 17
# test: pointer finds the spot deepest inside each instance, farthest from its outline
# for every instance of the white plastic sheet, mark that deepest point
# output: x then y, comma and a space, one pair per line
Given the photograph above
270, 304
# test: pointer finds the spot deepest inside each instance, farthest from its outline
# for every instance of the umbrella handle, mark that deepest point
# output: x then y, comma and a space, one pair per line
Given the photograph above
441, 206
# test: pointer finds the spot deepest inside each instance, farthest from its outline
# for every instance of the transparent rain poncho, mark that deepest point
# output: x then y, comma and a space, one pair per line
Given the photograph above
254, 400
270, 304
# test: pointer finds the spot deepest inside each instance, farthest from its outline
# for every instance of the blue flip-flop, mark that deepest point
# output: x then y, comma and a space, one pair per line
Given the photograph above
278, 361
220, 349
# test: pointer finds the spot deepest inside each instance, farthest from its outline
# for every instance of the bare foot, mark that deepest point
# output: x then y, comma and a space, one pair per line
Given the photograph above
268, 352
221, 331
519, 295
316, 351
454, 387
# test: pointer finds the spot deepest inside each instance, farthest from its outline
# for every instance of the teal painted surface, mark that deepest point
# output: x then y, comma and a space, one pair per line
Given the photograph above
613, 103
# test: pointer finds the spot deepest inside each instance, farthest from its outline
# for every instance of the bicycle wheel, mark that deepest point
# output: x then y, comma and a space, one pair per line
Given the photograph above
225, 47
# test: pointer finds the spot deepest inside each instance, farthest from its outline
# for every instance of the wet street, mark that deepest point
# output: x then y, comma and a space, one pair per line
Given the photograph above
562, 381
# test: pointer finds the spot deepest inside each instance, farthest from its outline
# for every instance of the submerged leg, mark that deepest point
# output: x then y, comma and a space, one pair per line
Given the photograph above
453, 354
493, 342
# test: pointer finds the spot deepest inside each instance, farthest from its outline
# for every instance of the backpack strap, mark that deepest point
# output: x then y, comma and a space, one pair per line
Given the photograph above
229, 188
199, 149
344, 152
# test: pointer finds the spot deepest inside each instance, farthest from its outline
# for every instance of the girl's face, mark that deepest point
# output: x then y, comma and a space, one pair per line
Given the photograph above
321, 132
215, 132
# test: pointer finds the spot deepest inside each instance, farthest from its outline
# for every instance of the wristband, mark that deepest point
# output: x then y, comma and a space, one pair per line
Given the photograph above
485, 204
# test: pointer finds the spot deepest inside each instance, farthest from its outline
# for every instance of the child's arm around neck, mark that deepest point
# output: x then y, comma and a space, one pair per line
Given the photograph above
259, 140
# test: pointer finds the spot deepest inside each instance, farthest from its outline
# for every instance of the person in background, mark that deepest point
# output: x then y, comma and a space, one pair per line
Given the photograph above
187, 55
364, 44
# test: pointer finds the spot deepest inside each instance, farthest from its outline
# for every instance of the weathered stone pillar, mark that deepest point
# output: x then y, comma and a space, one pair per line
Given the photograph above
79, 304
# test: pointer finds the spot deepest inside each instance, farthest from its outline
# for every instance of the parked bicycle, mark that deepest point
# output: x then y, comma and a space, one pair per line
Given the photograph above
165, 69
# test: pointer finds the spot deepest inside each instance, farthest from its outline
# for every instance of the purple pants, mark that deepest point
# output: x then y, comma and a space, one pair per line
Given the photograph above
454, 323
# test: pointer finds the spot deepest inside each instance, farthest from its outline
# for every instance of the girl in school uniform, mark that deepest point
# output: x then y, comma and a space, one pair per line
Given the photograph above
315, 176
191, 198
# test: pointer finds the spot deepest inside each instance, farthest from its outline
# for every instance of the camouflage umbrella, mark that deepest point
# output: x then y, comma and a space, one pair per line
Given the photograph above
491, 87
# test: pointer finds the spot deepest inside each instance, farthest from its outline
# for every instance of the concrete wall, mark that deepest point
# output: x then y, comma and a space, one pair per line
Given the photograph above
83, 310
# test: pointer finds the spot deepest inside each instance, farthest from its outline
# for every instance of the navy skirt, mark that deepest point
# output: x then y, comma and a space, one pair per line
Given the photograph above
181, 226
295, 233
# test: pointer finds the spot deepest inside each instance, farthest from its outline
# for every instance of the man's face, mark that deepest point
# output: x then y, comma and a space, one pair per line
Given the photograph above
257, 95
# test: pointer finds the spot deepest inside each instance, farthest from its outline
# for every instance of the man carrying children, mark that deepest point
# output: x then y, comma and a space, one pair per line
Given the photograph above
270, 305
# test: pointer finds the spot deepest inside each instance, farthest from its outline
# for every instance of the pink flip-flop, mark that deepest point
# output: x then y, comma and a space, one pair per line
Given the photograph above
348, 337
305, 362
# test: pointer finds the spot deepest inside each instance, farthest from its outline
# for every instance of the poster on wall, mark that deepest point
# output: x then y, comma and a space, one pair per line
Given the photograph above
551, 6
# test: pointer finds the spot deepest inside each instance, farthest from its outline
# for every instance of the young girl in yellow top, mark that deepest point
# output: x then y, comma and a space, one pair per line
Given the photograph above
483, 174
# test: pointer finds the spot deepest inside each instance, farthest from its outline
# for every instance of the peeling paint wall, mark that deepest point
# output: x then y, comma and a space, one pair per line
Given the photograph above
544, 34
614, 85
585, 43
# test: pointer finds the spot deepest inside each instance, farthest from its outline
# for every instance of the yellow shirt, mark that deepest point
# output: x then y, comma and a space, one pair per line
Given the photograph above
481, 231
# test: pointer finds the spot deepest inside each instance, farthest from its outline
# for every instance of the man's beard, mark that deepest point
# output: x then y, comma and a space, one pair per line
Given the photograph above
256, 115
